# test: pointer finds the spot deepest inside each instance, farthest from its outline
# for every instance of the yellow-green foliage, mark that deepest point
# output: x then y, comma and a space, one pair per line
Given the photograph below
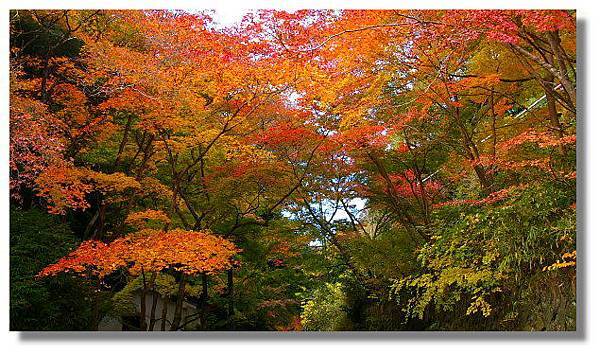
481, 253
326, 310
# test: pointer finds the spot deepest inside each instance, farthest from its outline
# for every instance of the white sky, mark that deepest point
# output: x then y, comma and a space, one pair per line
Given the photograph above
229, 15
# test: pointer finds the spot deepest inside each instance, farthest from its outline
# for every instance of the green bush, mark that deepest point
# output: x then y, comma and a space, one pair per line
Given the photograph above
58, 303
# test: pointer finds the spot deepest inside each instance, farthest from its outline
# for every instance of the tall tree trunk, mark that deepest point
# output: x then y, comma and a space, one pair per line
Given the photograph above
95, 315
230, 298
554, 40
155, 297
556, 126
179, 304
163, 314
145, 288
494, 134
88, 229
123, 141
473, 154
101, 222
203, 301
143, 325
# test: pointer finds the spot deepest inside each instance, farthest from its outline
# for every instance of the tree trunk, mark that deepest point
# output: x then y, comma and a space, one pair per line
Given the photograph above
143, 325
155, 297
163, 314
556, 126
95, 316
230, 298
123, 141
203, 301
145, 288
179, 304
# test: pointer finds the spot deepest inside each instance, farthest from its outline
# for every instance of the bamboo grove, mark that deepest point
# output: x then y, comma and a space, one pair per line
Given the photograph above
308, 170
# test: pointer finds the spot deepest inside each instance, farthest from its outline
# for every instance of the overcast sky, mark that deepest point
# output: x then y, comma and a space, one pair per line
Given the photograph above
229, 15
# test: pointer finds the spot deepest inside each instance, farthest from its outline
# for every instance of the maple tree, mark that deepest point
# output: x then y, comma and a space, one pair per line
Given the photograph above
189, 253
335, 153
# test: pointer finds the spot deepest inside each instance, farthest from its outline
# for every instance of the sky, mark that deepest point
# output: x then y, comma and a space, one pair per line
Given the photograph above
227, 16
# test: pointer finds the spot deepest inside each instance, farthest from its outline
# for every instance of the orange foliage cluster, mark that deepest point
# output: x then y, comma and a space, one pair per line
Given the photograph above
509, 164
185, 251
542, 139
90, 258
64, 186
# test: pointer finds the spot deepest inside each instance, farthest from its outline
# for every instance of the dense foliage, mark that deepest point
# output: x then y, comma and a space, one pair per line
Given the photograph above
37, 239
315, 170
